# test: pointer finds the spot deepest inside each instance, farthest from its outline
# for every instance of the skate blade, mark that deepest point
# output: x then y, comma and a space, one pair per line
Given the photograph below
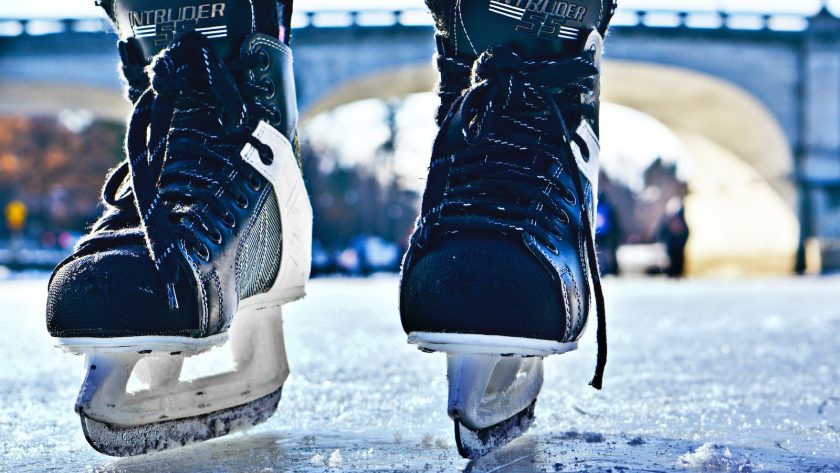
123, 441
473, 444
171, 408
491, 398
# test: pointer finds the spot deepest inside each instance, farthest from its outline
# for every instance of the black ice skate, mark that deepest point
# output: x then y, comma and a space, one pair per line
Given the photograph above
189, 251
501, 270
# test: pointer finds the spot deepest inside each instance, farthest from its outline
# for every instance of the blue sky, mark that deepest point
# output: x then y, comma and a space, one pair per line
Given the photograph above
85, 8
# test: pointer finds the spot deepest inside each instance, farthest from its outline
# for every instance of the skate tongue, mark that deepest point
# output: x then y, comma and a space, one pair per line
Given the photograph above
537, 29
156, 23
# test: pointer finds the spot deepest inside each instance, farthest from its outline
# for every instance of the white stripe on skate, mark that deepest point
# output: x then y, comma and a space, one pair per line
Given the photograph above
505, 6
210, 28
135, 344
503, 13
488, 344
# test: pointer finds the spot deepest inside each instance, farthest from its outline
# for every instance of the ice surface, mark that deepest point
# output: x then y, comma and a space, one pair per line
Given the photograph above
747, 366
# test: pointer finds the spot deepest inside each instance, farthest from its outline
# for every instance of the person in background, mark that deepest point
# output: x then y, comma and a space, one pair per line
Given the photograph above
674, 234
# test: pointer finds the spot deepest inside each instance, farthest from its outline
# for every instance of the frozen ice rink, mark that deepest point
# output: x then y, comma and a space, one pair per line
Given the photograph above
721, 376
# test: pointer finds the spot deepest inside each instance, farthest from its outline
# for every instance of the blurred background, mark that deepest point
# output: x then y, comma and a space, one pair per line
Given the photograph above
721, 133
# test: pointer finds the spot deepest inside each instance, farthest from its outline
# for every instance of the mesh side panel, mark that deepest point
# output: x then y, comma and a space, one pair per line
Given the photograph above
258, 260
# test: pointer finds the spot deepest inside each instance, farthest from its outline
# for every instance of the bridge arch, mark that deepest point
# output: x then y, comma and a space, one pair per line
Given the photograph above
742, 198
383, 84
742, 202
690, 102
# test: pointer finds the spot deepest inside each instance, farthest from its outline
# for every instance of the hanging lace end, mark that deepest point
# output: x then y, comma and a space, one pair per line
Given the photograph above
173, 298
598, 379
601, 363
600, 303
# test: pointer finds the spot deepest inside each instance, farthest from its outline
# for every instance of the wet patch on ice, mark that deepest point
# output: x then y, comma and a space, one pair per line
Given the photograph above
588, 437
592, 437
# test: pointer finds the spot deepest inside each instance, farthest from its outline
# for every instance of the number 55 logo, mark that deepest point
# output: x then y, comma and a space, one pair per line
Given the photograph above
545, 25
531, 23
166, 32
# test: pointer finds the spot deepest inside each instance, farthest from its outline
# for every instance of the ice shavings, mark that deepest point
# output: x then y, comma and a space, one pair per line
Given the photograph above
712, 457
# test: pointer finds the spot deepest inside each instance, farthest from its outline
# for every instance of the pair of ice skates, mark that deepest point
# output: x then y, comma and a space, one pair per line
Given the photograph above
207, 227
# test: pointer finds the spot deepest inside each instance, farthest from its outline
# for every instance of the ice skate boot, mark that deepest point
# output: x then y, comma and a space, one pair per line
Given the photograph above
501, 270
206, 231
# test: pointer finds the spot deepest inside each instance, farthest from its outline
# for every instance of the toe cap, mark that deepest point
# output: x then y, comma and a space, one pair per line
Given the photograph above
116, 293
482, 285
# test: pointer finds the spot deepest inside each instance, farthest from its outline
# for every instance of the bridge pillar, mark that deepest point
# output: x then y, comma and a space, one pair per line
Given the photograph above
819, 152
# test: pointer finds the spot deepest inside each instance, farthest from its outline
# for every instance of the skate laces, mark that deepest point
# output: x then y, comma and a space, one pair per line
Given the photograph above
455, 72
519, 164
179, 181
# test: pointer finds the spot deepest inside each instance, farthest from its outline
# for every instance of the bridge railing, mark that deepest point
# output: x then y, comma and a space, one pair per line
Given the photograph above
709, 20
367, 18
636, 18
38, 27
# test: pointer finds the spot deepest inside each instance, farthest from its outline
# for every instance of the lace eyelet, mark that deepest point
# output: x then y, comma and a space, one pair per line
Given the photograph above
564, 217
265, 60
276, 115
272, 91
266, 154
202, 252
216, 238
242, 201
569, 197
550, 246
584, 148
229, 220
254, 183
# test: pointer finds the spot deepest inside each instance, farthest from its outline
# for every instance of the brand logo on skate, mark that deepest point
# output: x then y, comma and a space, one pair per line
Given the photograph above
164, 24
545, 18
